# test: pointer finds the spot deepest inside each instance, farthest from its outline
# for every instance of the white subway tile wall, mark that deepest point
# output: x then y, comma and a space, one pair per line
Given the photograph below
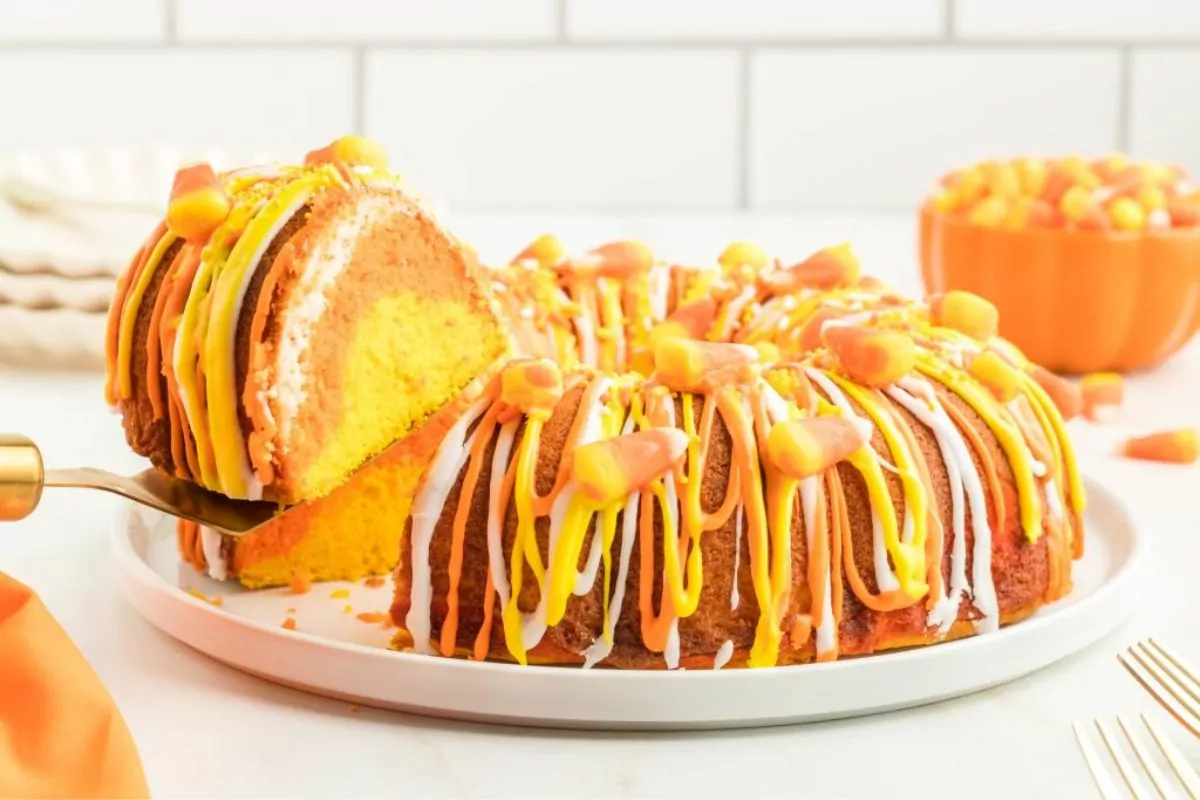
891, 120
599, 127
617, 104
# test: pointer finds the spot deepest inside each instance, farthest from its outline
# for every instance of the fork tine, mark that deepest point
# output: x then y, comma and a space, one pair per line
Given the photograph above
1128, 773
1187, 776
1108, 789
1135, 743
1177, 664
1154, 681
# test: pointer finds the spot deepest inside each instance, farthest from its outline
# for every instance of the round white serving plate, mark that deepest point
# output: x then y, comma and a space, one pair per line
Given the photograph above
333, 653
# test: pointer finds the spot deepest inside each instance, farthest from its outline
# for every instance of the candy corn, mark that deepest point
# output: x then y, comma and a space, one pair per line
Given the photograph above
610, 470
1171, 447
1101, 394
740, 254
801, 448
691, 320
531, 384
617, 259
1064, 396
545, 251
687, 365
198, 204
874, 358
1001, 379
966, 313
1109, 193
825, 269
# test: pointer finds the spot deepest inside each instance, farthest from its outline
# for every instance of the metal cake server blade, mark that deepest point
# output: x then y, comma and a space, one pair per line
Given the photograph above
23, 477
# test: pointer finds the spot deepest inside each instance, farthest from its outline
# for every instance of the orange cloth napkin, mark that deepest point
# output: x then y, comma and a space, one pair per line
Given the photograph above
60, 733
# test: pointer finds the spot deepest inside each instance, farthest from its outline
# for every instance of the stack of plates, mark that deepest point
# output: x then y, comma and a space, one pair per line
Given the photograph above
70, 220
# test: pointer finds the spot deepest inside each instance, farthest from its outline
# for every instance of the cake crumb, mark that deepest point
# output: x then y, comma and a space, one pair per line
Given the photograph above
353, 708
289, 624
373, 617
341, 594
212, 601
301, 582
374, 582
290, 611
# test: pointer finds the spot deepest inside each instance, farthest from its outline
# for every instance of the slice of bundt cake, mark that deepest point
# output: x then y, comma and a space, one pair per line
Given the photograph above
284, 325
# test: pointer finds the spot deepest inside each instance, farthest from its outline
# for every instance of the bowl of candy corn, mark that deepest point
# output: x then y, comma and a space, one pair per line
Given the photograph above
1093, 264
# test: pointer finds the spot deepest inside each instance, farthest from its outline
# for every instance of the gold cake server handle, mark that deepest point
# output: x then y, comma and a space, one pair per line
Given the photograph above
23, 477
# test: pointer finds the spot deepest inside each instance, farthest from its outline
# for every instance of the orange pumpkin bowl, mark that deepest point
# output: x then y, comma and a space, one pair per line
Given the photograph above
1073, 301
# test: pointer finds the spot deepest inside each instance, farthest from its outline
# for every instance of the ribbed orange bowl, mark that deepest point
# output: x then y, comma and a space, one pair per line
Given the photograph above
1073, 301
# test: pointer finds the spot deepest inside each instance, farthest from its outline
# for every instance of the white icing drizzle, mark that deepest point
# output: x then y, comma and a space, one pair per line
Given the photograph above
734, 598
724, 653
585, 580
600, 649
533, 625
250, 477
210, 543
850, 319
585, 333
963, 477
777, 407
885, 578
1053, 501
659, 279
827, 630
614, 327
733, 312
671, 651
495, 518
427, 509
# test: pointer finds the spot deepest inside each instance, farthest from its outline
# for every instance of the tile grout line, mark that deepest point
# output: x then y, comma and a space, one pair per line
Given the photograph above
1125, 100
537, 44
743, 129
359, 89
560, 21
171, 20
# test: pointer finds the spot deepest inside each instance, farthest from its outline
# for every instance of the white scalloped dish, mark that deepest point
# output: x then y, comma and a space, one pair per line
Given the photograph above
59, 264
334, 652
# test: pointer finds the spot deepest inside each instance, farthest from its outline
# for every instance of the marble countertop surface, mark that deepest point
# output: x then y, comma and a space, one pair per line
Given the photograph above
205, 730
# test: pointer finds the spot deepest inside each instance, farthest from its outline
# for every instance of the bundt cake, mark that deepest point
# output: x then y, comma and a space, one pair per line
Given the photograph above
284, 325
805, 463
812, 466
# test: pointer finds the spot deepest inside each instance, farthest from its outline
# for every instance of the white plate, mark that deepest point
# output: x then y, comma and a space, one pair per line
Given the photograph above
334, 654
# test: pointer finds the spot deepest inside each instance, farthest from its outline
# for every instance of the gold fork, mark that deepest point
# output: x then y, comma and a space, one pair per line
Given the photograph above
23, 476
1103, 776
1167, 678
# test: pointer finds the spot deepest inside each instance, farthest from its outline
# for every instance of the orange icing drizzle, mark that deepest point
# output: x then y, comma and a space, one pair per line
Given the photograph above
483, 435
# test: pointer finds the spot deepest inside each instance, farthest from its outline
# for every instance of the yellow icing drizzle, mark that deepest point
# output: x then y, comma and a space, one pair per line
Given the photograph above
525, 547
908, 558
129, 315
1011, 440
229, 447
1045, 406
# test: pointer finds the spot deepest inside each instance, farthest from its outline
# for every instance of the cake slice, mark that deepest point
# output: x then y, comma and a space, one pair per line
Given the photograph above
284, 325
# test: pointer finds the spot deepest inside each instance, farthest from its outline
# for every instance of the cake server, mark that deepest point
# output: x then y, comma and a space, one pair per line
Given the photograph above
23, 477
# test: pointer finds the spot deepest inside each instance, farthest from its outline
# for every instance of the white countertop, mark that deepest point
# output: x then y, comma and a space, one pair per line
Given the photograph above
207, 731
